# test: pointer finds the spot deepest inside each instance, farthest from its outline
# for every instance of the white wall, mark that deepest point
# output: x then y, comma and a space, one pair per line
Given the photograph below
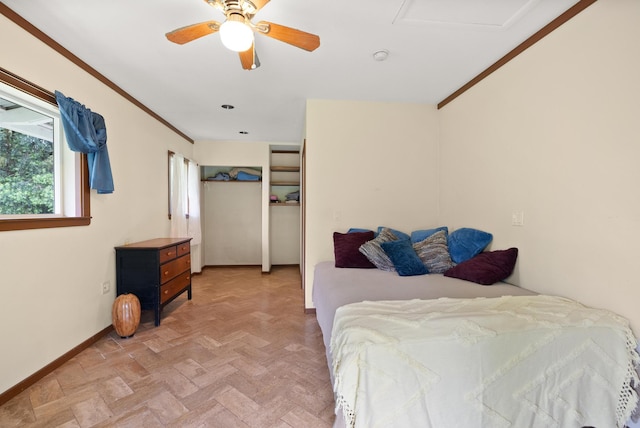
51, 278
368, 165
556, 134
232, 220
285, 234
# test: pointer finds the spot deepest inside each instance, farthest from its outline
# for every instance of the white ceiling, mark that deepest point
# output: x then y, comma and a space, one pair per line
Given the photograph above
435, 47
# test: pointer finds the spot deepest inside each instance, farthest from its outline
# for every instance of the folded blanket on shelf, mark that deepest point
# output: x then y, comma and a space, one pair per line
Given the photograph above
221, 176
244, 176
251, 171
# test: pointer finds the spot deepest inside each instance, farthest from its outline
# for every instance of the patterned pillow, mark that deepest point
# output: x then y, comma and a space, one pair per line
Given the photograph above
374, 252
421, 235
434, 252
399, 234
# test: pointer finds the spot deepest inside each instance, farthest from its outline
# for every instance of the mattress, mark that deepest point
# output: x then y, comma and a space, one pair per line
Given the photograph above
335, 287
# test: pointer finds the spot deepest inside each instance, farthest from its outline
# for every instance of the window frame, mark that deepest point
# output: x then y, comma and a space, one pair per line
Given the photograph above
82, 215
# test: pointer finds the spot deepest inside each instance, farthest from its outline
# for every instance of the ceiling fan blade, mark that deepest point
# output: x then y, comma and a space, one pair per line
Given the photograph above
249, 58
297, 38
192, 32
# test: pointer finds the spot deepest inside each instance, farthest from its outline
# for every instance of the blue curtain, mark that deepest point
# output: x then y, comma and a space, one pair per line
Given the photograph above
87, 133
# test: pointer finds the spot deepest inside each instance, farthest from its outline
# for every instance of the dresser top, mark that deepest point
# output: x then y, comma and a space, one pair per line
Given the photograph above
154, 243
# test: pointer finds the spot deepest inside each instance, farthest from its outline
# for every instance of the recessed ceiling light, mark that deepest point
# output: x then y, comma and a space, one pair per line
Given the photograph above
227, 106
381, 55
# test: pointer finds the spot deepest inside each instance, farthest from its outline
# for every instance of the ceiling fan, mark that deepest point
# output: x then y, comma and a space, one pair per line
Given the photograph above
236, 32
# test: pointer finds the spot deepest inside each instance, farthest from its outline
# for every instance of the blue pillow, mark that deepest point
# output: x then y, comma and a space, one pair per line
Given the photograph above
421, 235
399, 235
358, 230
404, 258
466, 243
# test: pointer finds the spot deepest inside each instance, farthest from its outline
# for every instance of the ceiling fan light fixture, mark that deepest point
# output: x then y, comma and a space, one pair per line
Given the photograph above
235, 34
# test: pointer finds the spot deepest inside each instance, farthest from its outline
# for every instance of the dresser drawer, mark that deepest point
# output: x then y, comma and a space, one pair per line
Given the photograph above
170, 270
171, 288
167, 254
183, 249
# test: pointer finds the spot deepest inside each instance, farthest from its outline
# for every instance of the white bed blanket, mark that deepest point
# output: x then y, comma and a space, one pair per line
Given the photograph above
513, 361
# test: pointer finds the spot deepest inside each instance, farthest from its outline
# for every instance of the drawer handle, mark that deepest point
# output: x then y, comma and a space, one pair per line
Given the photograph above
166, 272
166, 291
183, 248
169, 253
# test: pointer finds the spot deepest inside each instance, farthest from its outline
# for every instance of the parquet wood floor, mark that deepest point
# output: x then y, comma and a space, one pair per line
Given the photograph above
241, 353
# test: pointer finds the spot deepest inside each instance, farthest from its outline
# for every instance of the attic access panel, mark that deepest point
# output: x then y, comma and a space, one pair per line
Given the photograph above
489, 14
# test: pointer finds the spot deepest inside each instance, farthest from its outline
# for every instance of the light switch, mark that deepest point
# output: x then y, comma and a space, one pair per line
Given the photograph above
517, 218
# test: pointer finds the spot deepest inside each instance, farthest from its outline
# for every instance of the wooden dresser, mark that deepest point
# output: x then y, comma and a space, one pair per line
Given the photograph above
156, 271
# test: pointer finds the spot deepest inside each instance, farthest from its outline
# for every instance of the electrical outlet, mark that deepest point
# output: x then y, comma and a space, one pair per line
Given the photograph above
106, 287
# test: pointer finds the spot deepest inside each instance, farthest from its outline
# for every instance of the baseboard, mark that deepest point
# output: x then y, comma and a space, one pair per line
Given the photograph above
228, 266
310, 311
17, 389
245, 266
266, 272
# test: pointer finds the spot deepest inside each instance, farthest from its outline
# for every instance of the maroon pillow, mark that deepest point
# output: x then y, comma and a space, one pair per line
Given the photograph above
486, 268
346, 249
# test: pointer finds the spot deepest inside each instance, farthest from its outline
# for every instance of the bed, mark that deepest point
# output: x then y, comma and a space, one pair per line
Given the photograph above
335, 287
435, 351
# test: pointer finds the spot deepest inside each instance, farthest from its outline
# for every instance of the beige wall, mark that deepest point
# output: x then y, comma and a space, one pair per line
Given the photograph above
51, 278
368, 165
556, 134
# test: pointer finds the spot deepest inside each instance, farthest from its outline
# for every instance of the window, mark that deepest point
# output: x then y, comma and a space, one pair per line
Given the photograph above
184, 198
184, 178
29, 161
42, 183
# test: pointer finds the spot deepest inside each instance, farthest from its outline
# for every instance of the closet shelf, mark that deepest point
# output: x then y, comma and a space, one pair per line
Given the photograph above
231, 181
285, 168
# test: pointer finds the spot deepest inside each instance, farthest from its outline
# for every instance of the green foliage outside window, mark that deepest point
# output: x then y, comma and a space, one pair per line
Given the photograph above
26, 174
